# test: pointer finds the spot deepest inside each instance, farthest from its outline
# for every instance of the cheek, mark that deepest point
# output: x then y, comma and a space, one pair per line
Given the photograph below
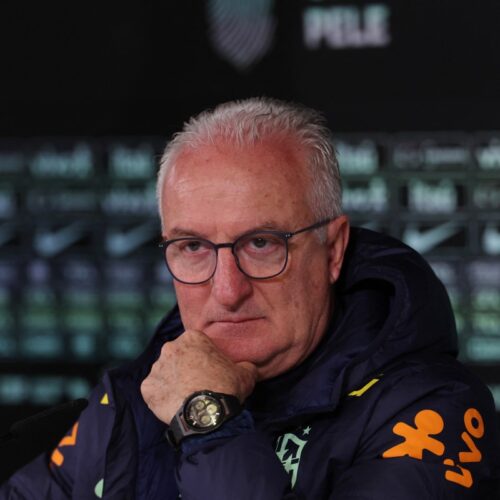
307, 297
191, 302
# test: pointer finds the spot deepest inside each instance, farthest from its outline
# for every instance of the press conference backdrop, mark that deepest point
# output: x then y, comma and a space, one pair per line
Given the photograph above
82, 280
88, 99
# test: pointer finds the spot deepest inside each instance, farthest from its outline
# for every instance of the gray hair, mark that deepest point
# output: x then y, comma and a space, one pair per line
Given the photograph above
249, 121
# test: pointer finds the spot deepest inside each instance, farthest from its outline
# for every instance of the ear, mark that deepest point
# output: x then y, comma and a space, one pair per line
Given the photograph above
337, 239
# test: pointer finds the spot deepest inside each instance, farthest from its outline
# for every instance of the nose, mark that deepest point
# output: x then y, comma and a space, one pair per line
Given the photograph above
230, 287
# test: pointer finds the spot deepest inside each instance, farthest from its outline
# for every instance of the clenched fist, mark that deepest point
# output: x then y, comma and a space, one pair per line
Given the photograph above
193, 363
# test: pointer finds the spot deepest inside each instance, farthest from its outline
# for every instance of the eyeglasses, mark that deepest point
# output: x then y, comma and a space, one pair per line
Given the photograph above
259, 255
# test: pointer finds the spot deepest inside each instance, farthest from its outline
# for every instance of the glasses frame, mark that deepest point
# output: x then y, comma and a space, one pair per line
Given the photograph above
284, 235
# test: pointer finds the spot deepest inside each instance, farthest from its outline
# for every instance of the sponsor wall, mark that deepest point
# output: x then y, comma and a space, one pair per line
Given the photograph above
82, 280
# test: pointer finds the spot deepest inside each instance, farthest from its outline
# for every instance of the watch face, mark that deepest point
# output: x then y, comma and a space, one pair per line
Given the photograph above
203, 411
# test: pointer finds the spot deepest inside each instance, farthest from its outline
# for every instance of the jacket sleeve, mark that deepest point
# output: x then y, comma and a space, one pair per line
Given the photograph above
430, 435
34, 481
243, 467
76, 467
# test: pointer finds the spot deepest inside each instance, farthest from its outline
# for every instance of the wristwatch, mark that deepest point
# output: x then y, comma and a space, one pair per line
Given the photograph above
202, 412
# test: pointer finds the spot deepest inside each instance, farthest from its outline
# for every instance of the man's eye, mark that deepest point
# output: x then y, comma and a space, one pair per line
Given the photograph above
259, 242
191, 246
262, 244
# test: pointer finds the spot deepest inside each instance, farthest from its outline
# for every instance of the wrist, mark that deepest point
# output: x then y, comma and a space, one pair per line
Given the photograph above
202, 412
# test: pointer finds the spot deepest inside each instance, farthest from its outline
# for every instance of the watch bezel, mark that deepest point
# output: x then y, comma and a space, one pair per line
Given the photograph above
187, 407
180, 428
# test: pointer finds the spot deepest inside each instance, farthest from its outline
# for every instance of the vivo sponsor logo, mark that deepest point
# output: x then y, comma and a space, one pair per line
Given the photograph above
486, 299
488, 157
373, 197
83, 320
132, 163
80, 272
486, 323
76, 163
124, 273
359, 158
449, 156
432, 198
62, 201
39, 272
485, 349
487, 196
412, 156
484, 273
407, 156
347, 26
76, 296
130, 201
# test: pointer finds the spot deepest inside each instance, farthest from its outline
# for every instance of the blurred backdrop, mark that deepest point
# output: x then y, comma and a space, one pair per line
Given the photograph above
89, 95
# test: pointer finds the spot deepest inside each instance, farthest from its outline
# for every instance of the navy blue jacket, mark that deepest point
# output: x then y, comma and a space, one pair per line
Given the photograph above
381, 410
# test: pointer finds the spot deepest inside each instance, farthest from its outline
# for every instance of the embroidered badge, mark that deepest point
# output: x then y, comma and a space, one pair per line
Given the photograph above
289, 449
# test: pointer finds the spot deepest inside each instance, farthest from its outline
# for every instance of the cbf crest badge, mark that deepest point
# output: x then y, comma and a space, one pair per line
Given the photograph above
289, 449
241, 31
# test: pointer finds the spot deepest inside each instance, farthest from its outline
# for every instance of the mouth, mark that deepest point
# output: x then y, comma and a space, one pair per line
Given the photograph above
233, 326
234, 321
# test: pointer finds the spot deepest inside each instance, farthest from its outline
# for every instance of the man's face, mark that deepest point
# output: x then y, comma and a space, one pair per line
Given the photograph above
221, 192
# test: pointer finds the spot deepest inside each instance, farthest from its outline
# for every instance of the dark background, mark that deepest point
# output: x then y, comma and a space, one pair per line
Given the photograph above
89, 94
145, 67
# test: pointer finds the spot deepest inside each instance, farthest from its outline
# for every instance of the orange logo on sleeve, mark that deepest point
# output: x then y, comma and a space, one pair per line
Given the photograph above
418, 438
57, 457
474, 426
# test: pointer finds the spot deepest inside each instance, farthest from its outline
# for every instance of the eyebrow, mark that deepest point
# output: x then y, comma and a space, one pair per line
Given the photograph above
180, 232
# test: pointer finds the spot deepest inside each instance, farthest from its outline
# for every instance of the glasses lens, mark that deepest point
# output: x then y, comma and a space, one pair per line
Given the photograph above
191, 260
261, 255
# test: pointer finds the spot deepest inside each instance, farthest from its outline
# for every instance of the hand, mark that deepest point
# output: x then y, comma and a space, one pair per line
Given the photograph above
193, 363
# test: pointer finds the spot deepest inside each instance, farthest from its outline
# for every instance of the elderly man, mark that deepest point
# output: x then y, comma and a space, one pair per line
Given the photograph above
305, 359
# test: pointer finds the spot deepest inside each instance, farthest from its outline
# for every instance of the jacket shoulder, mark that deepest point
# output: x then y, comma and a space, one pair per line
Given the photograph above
432, 419
93, 446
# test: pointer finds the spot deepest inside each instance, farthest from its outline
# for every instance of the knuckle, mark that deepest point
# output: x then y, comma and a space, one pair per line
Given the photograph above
164, 349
